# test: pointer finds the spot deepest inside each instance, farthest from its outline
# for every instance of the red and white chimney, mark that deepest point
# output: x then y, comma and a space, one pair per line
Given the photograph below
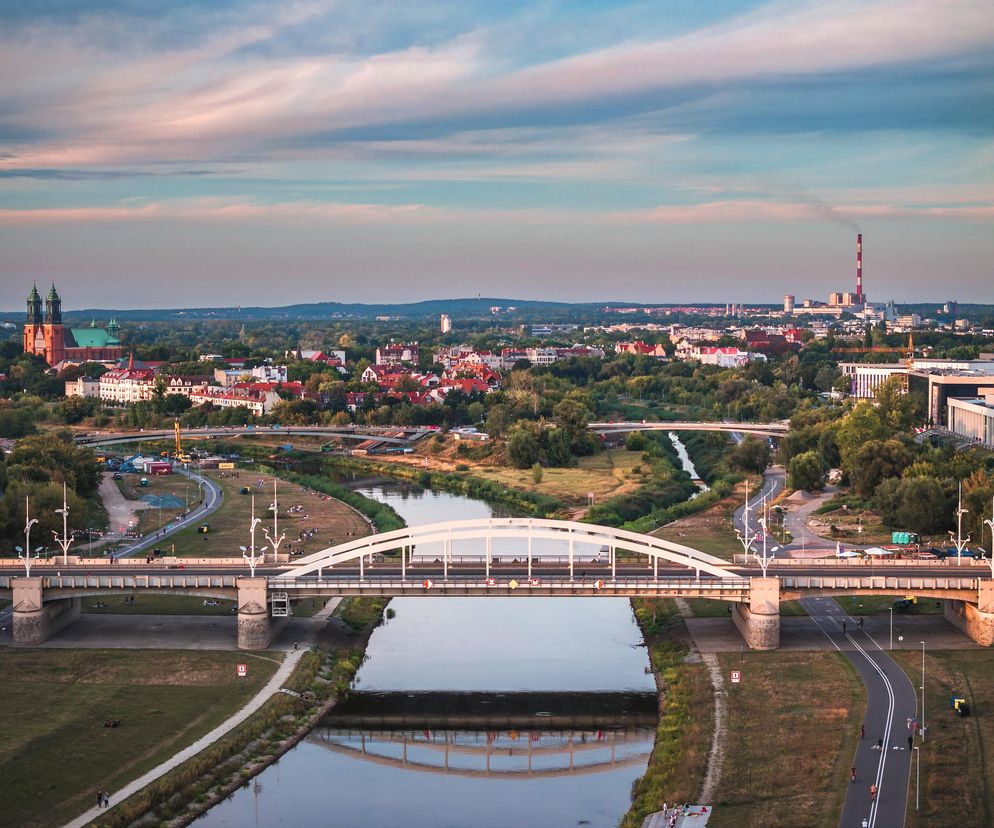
859, 268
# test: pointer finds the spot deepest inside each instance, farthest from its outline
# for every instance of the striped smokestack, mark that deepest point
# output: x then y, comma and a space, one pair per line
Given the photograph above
859, 268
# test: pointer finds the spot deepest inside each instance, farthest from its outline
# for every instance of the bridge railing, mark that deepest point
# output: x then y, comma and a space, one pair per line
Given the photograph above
510, 583
124, 582
882, 582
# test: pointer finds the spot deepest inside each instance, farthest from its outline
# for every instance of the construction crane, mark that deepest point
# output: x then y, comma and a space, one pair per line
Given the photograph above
183, 458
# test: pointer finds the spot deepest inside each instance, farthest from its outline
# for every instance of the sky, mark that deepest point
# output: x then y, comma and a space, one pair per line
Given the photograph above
221, 152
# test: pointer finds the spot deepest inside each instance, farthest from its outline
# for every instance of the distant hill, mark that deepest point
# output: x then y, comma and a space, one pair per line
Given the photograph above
461, 308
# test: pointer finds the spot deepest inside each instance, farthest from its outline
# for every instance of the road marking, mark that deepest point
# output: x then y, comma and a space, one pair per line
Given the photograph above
882, 764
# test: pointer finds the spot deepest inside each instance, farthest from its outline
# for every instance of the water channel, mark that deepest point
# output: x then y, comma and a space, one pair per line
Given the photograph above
495, 775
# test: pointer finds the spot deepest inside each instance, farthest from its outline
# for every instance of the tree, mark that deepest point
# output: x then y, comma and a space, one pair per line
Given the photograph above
806, 471
923, 506
751, 455
898, 409
863, 423
523, 445
536, 473
875, 461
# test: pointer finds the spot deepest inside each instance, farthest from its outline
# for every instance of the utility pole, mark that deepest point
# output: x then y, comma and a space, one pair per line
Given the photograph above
249, 553
275, 539
960, 543
28, 523
65, 541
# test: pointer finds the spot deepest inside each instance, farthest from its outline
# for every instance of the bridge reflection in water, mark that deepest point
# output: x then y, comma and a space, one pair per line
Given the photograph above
494, 734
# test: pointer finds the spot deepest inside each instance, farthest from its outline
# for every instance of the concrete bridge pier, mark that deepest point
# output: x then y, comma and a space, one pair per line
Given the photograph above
759, 620
976, 620
255, 627
35, 621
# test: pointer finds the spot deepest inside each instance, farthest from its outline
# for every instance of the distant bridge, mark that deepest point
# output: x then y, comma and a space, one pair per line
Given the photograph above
383, 434
759, 429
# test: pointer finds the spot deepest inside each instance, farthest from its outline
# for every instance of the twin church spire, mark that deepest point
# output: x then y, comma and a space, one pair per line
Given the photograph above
53, 307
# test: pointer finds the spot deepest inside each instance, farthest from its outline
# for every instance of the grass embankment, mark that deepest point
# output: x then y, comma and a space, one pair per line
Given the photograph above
792, 729
164, 498
713, 608
957, 757
151, 604
881, 605
56, 753
229, 525
322, 677
679, 756
710, 530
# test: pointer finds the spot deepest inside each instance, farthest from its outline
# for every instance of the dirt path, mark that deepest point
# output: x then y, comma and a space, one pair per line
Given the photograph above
719, 737
120, 509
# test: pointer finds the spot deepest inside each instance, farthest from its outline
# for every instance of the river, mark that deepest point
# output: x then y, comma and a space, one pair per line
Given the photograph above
491, 776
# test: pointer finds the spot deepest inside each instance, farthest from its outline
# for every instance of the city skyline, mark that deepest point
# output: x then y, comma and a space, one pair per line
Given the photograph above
209, 154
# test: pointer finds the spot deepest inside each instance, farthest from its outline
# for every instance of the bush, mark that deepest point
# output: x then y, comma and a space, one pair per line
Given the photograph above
537, 473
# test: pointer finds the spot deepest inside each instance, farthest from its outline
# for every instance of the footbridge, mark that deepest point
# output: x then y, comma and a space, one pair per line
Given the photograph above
777, 429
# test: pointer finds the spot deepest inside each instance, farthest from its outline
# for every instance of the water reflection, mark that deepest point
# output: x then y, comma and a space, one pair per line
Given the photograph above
520, 754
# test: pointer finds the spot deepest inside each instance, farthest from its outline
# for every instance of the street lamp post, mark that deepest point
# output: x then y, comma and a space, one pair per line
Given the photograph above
745, 537
990, 525
923, 690
249, 553
892, 628
65, 541
960, 543
764, 561
275, 539
28, 523
918, 776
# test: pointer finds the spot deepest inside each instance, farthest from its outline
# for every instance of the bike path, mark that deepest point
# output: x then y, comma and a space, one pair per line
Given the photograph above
891, 700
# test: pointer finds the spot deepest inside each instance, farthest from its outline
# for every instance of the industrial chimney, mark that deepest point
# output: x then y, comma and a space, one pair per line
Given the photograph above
859, 269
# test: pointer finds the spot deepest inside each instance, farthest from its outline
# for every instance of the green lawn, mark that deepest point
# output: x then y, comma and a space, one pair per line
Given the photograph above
56, 753
792, 727
154, 604
229, 525
957, 757
881, 604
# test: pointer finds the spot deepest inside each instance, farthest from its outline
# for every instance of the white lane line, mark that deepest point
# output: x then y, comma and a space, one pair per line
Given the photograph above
891, 703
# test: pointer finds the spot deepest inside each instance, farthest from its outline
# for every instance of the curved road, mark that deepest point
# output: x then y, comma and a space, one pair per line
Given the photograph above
212, 500
890, 701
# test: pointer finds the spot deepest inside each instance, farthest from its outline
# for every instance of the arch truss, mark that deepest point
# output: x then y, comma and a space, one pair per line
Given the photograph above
524, 530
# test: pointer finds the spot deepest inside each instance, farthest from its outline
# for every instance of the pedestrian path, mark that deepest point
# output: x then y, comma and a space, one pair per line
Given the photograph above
687, 816
883, 757
274, 684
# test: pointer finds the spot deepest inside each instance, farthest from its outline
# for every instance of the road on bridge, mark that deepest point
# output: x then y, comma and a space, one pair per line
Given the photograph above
890, 701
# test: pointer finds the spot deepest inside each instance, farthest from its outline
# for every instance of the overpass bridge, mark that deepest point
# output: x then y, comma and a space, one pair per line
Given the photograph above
776, 429
385, 434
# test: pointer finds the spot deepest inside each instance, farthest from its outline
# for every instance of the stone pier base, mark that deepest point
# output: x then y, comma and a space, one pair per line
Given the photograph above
976, 623
35, 621
255, 627
759, 620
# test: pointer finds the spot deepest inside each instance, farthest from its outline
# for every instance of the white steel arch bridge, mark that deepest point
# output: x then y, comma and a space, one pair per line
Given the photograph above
759, 429
523, 530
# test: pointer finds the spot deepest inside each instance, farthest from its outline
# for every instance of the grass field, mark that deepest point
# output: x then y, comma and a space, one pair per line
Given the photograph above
793, 724
229, 525
713, 608
957, 757
709, 531
146, 604
56, 753
881, 604
167, 486
604, 475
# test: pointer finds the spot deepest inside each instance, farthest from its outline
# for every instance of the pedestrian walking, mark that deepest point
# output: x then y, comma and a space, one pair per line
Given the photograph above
862, 731
106, 799
880, 744
843, 627
873, 791
852, 774
911, 742
100, 798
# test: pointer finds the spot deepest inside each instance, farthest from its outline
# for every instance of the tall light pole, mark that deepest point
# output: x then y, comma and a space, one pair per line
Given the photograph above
28, 523
923, 691
65, 541
249, 553
275, 539
764, 561
918, 777
745, 537
892, 627
990, 525
960, 543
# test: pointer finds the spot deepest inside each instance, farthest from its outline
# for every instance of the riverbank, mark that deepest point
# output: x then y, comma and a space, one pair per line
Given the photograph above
679, 760
321, 678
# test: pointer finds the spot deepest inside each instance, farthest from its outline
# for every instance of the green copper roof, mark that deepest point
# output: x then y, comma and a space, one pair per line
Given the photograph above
33, 296
90, 337
52, 294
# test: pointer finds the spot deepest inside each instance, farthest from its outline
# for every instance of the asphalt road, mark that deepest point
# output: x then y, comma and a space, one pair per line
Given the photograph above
891, 701
212, 500
773, 483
